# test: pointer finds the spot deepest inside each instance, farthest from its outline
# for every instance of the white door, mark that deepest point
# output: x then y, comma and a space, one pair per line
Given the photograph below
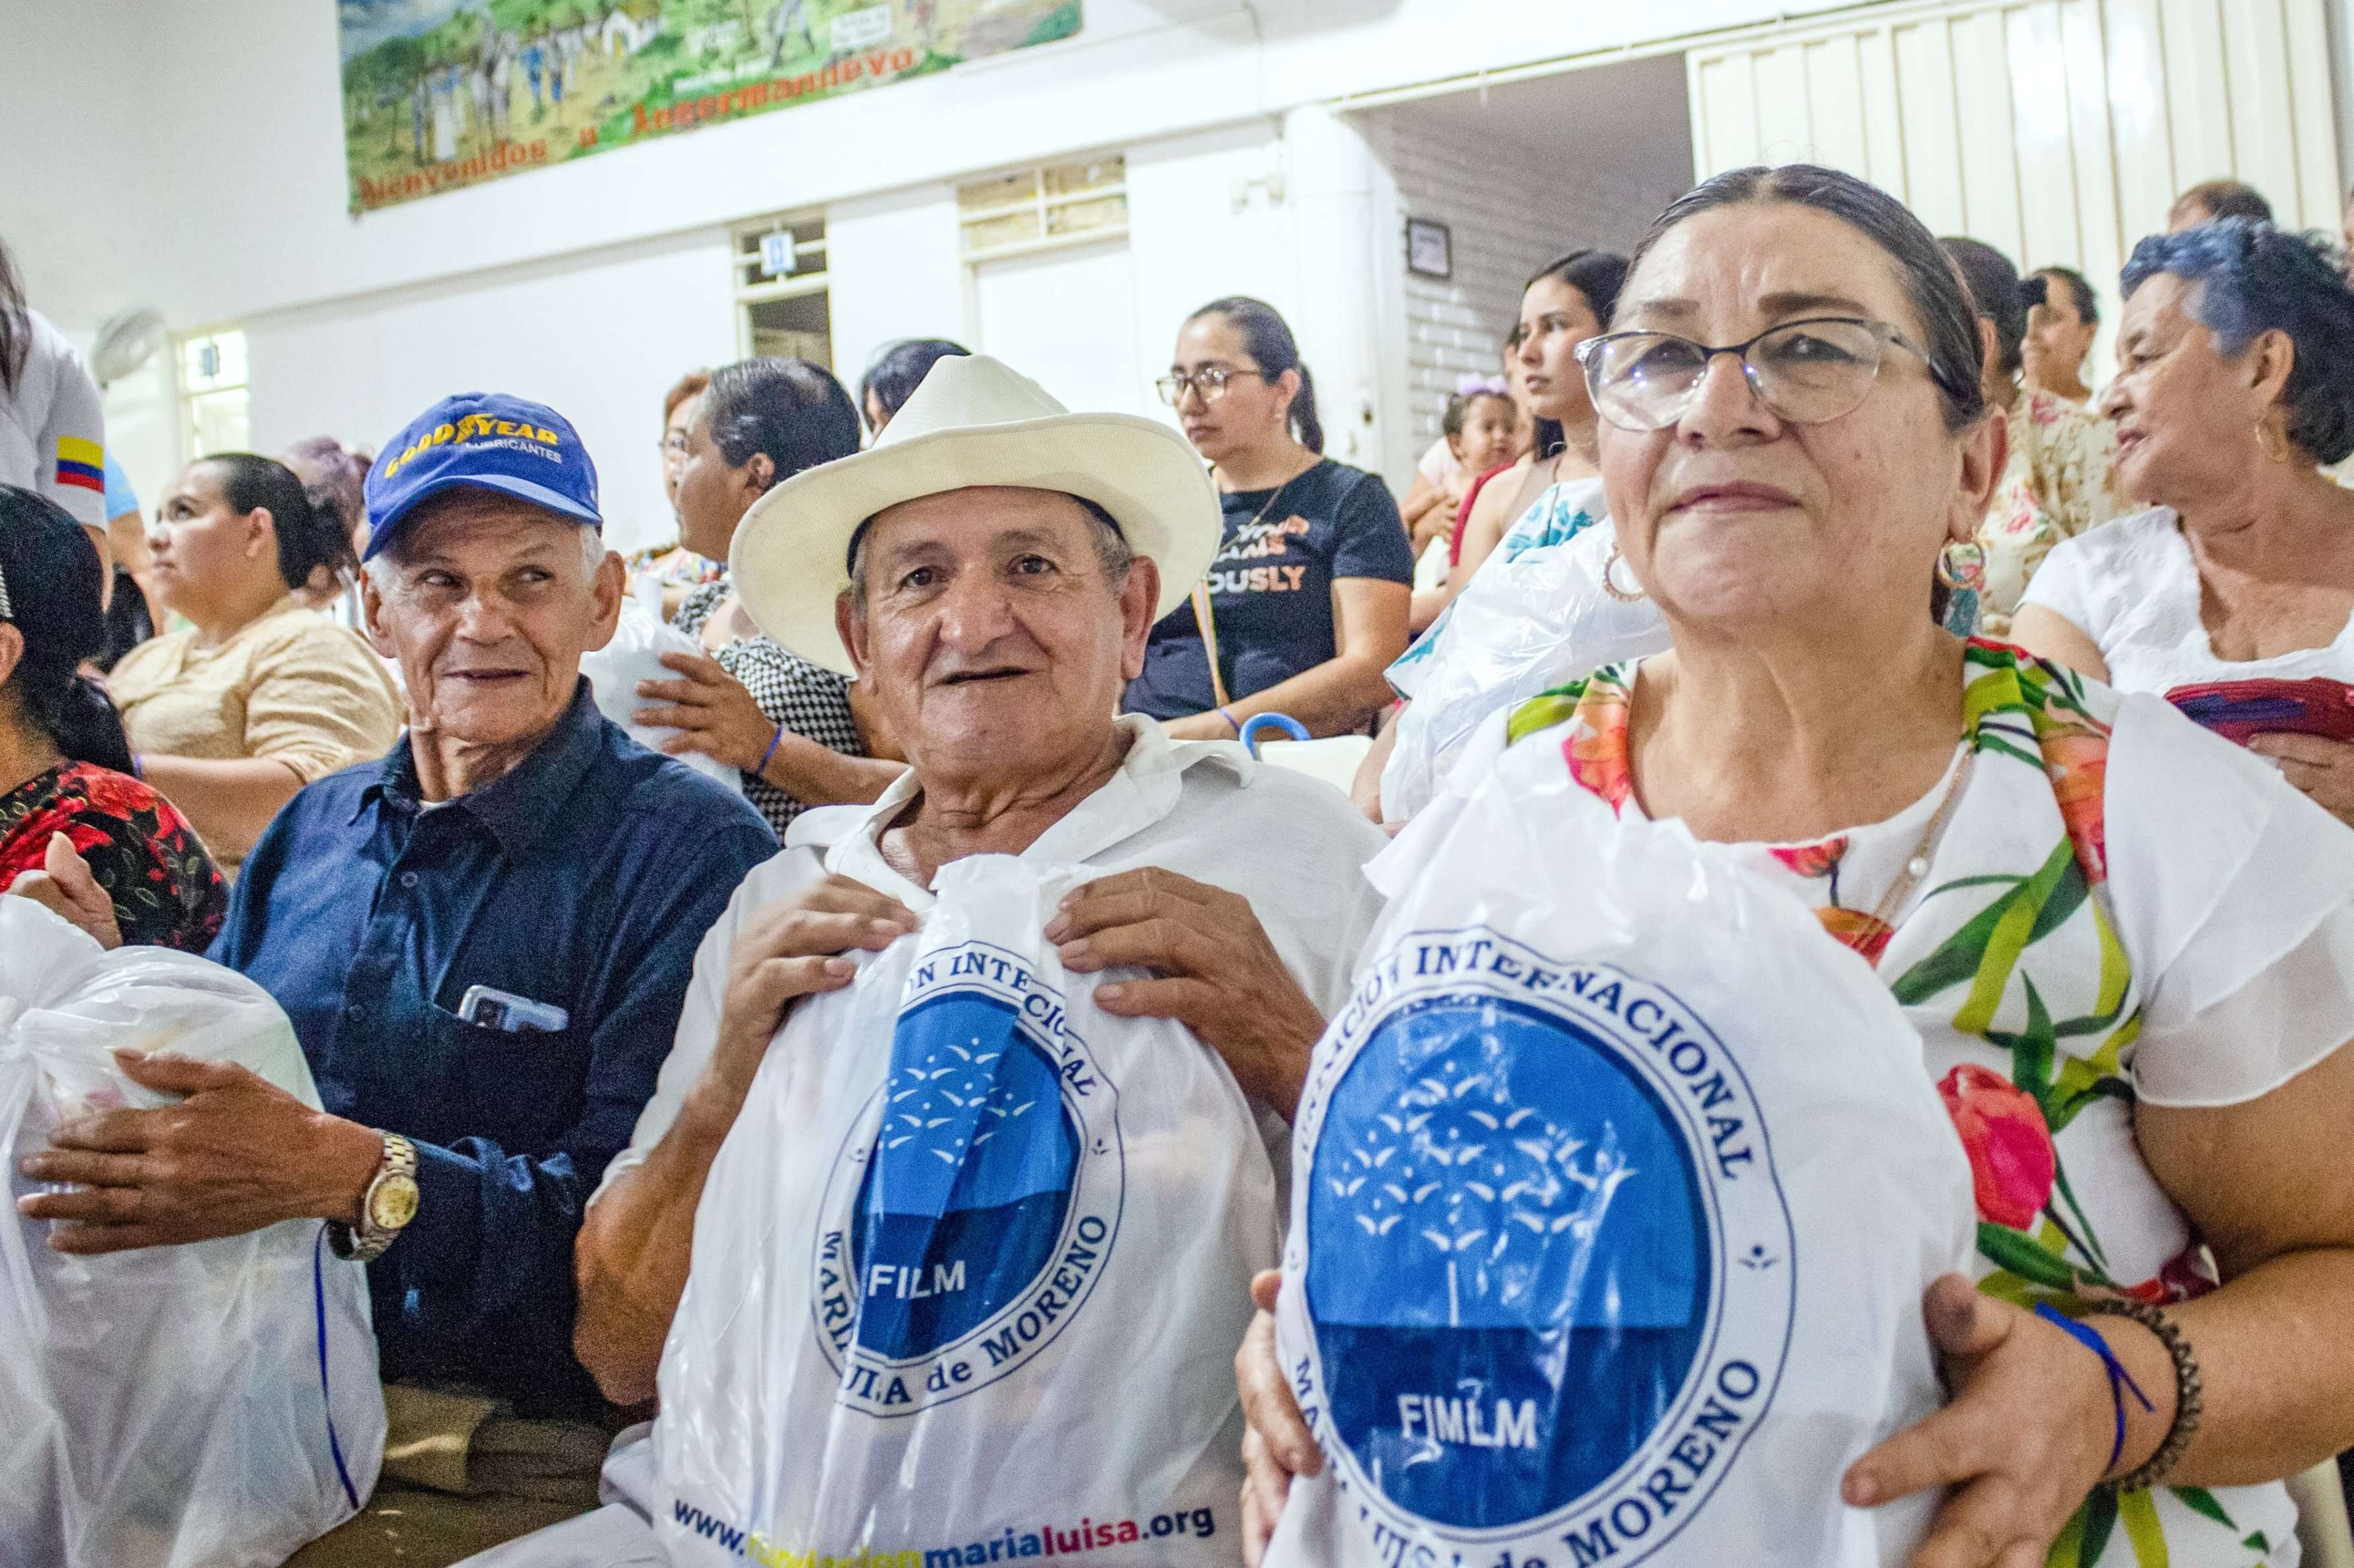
2056, 130
1066, 318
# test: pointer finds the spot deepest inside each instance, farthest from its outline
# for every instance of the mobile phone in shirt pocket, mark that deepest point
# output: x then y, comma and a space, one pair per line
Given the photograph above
520, 1089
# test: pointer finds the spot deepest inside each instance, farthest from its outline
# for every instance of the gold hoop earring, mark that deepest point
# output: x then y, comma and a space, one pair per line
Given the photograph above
2265, 437
1948, 578
1610, 586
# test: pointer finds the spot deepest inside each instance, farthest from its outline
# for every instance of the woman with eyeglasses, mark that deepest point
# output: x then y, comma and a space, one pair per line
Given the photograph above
1545, 499
2128, 946
674, 571
797, 733
1548, 497
1306, 603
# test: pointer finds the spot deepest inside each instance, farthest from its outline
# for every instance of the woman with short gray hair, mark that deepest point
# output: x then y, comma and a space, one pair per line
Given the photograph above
2236, 384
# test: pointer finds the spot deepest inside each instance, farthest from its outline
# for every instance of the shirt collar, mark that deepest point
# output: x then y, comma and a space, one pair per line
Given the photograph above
1145, 790
527, 803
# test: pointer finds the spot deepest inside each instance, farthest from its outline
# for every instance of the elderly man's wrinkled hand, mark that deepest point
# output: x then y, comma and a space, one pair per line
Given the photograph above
65, 886
2025, 1440
1276, 1444
1213, 970
794, 948
2323, 769
237, 1153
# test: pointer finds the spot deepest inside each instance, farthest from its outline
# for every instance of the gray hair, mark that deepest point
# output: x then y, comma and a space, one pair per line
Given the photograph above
380, 567
1113, 555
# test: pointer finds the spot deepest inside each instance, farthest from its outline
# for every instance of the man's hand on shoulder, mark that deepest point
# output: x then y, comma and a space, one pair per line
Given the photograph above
237, 1153
794, 948
1215, 970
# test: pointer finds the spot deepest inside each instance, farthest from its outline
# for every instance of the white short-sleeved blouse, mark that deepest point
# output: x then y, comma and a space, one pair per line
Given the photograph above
2132, 589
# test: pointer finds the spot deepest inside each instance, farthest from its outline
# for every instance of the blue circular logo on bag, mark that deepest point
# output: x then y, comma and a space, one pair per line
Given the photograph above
1548, 1266
976, 1200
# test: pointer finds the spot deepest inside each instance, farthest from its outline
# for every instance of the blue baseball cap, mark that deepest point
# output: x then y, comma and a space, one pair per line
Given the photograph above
485, 441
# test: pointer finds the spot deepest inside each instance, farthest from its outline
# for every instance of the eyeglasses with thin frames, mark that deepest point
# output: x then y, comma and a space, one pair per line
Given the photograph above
1808, 372
1209, 383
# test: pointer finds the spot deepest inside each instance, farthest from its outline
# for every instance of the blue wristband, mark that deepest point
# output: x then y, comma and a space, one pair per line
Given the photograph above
1233, 723
2120, 1380
775, 741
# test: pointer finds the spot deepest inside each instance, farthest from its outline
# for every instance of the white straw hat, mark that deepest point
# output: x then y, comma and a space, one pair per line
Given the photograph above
974, 422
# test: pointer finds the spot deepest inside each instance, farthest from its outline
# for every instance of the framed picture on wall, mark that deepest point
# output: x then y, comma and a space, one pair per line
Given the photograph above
1429, 248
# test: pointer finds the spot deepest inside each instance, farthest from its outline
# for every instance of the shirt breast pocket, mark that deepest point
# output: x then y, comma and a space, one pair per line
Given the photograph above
520, 1089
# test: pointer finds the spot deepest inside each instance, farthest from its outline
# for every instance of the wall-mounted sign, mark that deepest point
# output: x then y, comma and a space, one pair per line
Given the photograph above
1429, 248
439, 94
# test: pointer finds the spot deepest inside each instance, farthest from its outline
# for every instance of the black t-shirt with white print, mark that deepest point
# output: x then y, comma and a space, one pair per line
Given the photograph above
1271, 588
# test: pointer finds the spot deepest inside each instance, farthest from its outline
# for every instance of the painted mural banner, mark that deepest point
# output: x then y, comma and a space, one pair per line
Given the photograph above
440, 96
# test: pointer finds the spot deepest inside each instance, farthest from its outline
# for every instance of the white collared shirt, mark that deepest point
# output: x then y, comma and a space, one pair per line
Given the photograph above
1291, 845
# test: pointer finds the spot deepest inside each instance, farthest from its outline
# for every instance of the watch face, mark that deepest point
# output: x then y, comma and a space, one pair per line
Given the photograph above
393, 1204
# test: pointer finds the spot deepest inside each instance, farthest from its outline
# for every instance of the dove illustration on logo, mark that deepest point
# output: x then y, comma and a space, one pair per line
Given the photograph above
1527, 1182
976, 1198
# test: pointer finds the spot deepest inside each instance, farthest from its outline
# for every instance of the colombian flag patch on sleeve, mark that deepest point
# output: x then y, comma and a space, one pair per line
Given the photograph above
81, 462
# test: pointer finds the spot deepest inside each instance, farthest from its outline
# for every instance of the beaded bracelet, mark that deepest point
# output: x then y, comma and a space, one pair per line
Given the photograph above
2186, 1387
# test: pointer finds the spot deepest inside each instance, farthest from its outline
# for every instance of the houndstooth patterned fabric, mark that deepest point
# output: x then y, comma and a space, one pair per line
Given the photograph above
807, 699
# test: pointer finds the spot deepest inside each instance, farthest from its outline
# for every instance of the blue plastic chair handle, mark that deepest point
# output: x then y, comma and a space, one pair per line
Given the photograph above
1252, 728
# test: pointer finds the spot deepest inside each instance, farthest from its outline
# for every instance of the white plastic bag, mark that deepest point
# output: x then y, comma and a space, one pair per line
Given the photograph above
1618, 1187
969, 1271
213, 1406
1523, 624
634, 654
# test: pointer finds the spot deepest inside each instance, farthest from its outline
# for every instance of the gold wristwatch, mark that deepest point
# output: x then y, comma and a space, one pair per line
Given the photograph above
390, 1203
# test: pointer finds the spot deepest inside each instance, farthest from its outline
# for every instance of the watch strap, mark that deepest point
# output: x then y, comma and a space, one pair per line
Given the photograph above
368, 1239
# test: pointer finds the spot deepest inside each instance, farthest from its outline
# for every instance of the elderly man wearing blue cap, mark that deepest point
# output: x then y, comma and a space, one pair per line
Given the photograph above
484, 941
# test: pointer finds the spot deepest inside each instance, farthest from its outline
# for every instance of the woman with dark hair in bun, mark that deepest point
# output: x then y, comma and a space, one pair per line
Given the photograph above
895, 374
63, 761
2061, 328
335, 476
2060, 476
798, 732
261, 695
1307, 600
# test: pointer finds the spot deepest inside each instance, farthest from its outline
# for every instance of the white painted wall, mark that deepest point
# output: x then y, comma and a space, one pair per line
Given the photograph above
1065, 319
1501, 229
1520, 175
79, 191
893, 271
241, 125
211, 134
1203, 224
599, 337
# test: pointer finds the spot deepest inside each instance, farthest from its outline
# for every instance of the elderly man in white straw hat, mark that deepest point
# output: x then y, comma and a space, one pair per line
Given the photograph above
989, 570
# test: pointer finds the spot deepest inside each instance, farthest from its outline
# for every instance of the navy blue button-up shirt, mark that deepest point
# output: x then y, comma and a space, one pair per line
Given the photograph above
583, 879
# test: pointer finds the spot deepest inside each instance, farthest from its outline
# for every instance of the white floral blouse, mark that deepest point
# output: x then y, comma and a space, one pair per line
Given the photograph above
2061, 479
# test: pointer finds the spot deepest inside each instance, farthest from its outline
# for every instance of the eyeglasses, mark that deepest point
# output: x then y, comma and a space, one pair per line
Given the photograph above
1806, 372
674, 445
1209, 383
